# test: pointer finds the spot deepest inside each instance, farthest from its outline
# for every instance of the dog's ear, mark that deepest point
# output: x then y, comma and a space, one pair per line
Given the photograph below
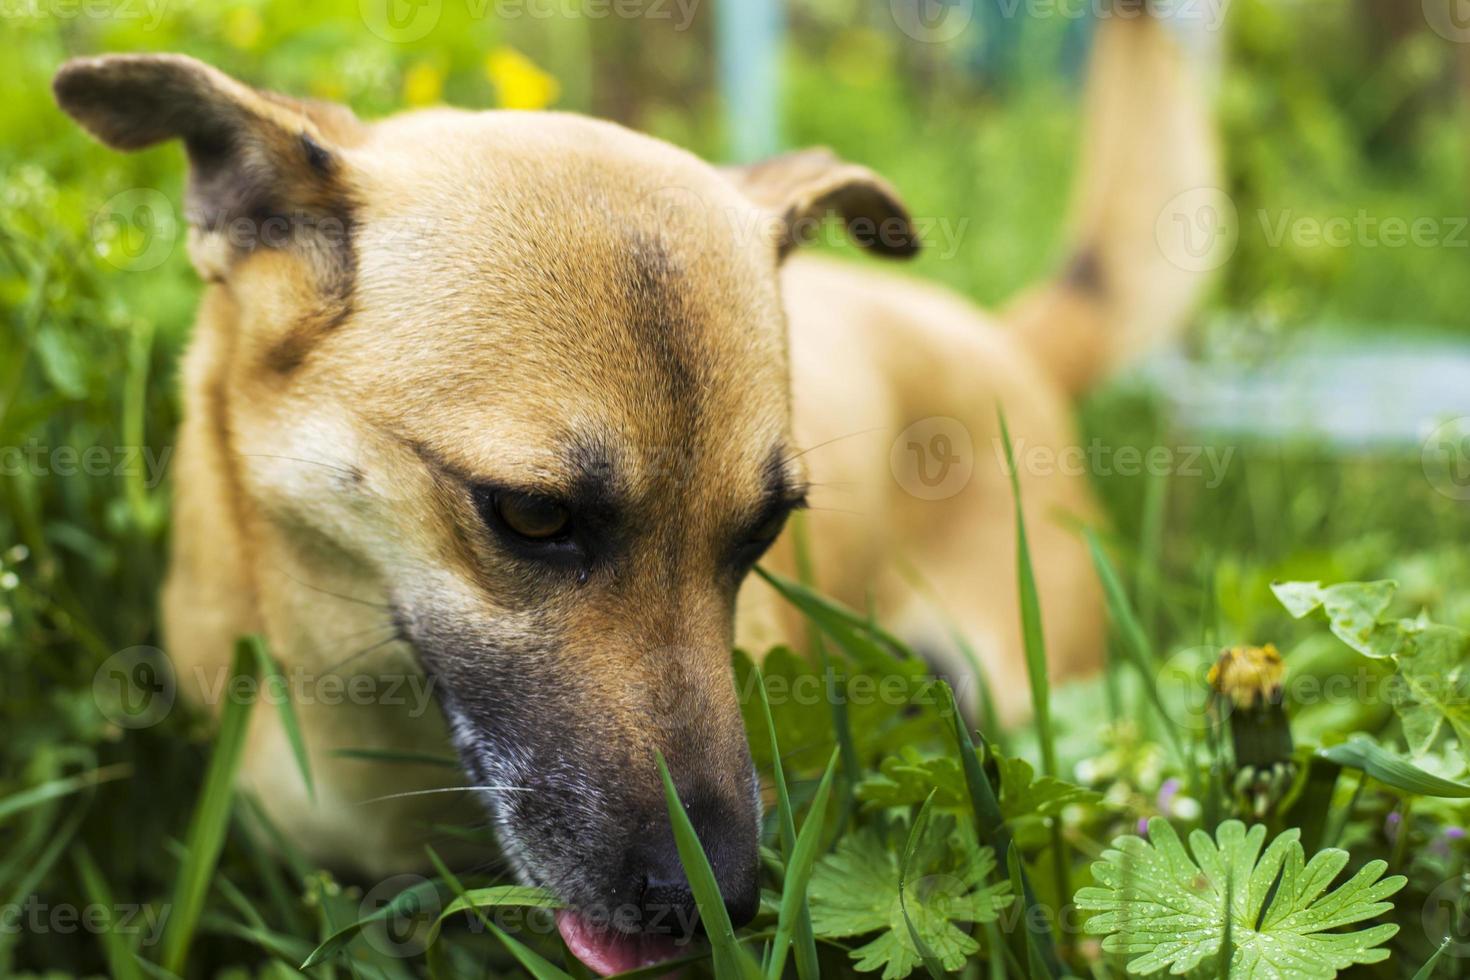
252, 154
801, 189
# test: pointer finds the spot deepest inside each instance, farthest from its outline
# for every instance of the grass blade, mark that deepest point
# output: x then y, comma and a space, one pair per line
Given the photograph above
852, 766
990, 826
804, 939
916, 834
206, 835
731, 962
405, 902
1366, 755
280, 690
1427, 970
1138, 652
536, 964
1034, 642
36, 795
1033, 639
868, 644
122, 962
1037, 964
803, 858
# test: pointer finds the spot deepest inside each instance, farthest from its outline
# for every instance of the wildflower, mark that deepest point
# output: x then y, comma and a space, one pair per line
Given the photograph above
1248, 687
518, 81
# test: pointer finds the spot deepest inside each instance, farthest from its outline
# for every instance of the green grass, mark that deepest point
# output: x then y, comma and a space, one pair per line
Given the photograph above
145, 824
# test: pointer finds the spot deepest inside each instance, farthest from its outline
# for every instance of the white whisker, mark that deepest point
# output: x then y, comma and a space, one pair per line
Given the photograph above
447, 789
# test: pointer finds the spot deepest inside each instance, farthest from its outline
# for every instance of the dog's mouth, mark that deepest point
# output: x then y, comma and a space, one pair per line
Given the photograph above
608, 951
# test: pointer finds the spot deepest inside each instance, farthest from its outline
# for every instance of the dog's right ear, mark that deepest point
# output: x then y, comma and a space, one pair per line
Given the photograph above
252, 154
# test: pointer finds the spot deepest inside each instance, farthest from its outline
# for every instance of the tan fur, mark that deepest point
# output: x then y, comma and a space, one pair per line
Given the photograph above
487, 308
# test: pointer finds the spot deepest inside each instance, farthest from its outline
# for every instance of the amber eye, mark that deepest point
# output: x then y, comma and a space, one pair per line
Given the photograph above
531, 515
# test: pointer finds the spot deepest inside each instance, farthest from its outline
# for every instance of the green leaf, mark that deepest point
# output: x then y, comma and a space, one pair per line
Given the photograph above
1022, 794
1353, 611
1432, 686
121, 960
868, 644
1166, 909
55, 788
280, 691
475, 900
990, 825
909, 777
806, 944
855, 892
916, 834
206, 835
1361, 752
1427, 970
1036, 966
1135, 646
1033, 640
795, 910
730, 960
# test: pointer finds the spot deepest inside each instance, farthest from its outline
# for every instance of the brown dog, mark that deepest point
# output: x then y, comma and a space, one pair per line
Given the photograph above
524, 396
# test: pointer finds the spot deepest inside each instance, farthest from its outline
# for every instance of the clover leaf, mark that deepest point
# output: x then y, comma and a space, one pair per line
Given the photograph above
1165, 909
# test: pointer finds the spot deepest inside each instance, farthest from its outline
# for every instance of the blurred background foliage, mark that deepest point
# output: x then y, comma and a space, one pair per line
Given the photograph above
1327, 110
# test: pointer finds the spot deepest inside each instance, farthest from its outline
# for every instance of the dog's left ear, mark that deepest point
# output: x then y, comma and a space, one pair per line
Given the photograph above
801, 189
253, 155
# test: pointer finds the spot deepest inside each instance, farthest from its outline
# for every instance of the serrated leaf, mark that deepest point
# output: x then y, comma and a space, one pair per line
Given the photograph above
907, 779
855, 891
1353, 611
1024, 795
1154, 900
1432, 687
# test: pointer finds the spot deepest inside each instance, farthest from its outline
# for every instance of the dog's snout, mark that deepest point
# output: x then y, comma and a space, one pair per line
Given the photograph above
729, 837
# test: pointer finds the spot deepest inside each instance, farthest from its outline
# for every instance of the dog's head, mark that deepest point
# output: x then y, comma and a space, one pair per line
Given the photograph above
538, 363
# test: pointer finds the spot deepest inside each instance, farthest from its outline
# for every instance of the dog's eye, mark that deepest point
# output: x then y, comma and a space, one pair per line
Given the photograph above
761, 537
531, 515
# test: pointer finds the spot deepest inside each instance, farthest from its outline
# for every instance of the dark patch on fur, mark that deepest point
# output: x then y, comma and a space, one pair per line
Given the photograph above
659, 318
1084, 273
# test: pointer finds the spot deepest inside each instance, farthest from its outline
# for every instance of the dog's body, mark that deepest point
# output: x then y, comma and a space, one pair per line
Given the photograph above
514, 327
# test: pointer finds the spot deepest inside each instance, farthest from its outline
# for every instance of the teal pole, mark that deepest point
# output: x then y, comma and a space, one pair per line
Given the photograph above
748, 44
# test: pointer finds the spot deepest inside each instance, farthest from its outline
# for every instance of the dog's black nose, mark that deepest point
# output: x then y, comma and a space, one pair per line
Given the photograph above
730, 839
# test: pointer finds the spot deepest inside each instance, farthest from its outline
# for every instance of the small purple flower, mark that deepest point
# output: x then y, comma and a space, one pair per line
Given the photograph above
1391, 826
1167, 792
1444, 845
1143, 826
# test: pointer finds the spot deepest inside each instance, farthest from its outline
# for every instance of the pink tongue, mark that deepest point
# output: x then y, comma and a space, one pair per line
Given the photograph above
608, 951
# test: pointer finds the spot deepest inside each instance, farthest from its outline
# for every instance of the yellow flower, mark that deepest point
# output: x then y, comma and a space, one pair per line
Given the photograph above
423, 84
518, 82
1249, 675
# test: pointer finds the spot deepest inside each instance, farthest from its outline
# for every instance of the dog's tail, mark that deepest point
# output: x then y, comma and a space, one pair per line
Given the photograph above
1147, 223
